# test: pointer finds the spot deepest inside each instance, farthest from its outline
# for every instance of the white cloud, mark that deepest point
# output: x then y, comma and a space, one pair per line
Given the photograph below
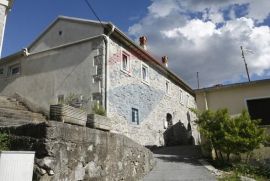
162, 8
201, 45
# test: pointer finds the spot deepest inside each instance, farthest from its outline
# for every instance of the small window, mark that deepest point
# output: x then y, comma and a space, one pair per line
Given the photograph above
1, 71
135, 116
145, 73
125, 63
187, 101
181, 96
15, 70
167, 87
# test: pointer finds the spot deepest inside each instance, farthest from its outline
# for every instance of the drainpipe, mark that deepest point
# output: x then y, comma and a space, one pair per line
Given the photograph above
107, 45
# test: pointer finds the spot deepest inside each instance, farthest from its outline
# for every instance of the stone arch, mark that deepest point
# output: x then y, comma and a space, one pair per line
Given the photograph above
169, 120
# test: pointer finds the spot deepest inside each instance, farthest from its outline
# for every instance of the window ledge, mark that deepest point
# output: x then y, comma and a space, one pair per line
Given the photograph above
126, 72
134, 125
145, 82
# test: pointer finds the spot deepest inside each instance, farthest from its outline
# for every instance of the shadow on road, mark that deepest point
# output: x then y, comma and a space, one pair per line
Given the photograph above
172, 159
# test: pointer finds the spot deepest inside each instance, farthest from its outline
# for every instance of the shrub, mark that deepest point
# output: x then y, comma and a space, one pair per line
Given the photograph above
99, 109
230, 135
4, 142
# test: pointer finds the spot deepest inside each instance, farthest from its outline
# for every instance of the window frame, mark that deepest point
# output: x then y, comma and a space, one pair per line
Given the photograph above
181, 96
133, 120
12, 67
187, 101
2, 69
127, 71
143, 65
167, 87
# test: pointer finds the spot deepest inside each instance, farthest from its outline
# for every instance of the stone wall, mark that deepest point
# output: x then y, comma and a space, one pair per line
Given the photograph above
69, 152
127, 90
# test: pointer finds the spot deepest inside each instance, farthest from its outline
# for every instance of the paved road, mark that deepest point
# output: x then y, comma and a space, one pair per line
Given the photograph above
178, 164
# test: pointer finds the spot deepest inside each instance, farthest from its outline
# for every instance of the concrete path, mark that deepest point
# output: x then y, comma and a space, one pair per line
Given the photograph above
178, 163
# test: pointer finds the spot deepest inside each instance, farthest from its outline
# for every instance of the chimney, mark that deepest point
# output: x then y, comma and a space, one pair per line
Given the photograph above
5, 6
143, 42
164, 61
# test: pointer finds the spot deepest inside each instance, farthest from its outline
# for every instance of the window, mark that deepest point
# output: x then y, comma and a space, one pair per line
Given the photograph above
167, 87
259, 109
145, 73
135, 116
187, 101
1, 71
125, 63
181, 96
15, 70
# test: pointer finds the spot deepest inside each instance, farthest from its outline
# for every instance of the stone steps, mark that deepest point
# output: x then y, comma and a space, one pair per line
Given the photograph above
10, 103
11, 109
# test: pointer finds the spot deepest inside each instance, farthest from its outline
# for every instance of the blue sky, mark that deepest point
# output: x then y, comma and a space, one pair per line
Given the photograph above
29, 18
197, 35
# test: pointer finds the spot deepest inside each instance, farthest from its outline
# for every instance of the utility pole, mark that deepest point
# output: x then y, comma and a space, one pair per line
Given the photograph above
243, 56
198, 80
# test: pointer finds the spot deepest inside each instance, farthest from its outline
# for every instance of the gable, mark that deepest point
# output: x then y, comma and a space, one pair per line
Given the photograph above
64, 31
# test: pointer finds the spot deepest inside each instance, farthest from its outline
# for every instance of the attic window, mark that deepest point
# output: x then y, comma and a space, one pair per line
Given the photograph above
60, 33
15, 69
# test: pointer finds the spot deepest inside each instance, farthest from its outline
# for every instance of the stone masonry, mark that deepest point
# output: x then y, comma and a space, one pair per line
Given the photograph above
69, 152
127, 91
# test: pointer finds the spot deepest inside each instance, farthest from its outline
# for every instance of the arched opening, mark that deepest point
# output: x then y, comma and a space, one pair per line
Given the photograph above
169, 134
169, 120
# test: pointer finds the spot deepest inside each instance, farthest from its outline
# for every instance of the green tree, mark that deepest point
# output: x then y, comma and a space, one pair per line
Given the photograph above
230, 135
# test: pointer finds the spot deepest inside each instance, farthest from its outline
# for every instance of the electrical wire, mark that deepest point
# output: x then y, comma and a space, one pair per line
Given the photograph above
93, 11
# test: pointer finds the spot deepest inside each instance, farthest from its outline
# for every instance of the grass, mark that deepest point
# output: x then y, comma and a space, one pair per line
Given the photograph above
234, 171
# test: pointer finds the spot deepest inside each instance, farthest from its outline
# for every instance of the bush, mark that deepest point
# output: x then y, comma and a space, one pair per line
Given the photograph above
230, 135
4, 142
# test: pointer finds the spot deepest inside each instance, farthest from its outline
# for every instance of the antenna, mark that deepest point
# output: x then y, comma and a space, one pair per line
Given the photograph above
198, 80
243, 56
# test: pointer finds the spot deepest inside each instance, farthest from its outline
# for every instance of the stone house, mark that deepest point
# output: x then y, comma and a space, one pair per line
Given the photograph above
98, 62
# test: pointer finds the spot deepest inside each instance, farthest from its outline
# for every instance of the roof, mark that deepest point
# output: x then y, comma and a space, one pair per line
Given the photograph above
124, 38
227, 86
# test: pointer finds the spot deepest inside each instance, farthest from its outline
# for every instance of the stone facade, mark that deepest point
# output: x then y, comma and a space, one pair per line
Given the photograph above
69, 152
127, 90
84, 61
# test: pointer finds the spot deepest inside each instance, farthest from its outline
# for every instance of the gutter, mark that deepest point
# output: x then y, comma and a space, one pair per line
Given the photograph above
11, 57
106, 65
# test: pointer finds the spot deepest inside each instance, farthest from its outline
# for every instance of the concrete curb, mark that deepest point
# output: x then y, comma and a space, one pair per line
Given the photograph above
209, 167
218, 173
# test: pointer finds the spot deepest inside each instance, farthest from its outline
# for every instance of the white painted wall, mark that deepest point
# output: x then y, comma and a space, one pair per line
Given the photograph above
16, 165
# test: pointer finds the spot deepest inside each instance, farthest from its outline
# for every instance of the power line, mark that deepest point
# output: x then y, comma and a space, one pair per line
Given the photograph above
93, 11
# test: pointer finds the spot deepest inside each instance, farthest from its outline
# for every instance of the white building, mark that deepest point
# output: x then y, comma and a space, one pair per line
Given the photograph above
101, 64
